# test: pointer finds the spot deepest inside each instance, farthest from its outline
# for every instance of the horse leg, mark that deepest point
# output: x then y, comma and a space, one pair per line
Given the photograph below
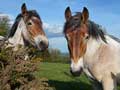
109, 82
96, 85
118, 79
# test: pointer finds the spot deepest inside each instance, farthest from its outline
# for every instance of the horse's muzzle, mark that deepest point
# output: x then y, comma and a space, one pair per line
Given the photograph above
76, 73
43, 45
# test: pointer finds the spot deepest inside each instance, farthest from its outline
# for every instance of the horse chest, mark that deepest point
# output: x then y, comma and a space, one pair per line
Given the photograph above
91, 70
91, 74
88, 73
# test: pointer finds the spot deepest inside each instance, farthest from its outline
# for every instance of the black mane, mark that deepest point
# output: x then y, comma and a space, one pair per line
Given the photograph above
95, 30
17, 20
115, 38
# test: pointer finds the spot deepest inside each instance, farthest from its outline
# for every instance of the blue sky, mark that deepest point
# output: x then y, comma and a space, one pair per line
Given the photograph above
103, 12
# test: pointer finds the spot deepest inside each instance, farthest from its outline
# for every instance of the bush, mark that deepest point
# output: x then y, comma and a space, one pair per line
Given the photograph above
18, 74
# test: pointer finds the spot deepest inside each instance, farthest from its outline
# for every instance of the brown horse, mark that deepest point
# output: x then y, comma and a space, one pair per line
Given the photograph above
27, 29
92, 50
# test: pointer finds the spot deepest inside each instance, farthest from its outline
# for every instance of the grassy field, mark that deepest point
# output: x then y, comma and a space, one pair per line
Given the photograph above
59, 77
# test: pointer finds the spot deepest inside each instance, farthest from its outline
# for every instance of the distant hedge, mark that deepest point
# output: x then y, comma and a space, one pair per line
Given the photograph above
52, 55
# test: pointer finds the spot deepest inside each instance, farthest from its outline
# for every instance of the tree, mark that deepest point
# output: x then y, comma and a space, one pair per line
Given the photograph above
4, 25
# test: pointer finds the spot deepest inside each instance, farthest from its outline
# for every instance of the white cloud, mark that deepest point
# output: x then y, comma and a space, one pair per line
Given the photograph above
11, 17
54, 28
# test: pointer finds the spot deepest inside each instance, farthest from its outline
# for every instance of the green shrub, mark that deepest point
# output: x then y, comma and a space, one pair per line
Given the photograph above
17, 73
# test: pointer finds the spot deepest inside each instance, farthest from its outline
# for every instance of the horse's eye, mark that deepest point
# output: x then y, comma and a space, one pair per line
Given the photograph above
86, 36
29, 23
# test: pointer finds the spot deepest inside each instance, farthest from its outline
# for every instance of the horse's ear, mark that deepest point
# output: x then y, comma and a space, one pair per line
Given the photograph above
68, 14
85, 15
23, 9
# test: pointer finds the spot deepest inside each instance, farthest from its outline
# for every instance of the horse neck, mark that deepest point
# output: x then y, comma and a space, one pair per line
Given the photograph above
17, 39
92, 46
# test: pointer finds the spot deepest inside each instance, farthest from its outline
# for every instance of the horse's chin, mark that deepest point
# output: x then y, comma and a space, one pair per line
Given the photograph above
76, 73
41, 49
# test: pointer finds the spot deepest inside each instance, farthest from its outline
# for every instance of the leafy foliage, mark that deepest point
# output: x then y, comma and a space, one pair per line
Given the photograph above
17, 73
4, 25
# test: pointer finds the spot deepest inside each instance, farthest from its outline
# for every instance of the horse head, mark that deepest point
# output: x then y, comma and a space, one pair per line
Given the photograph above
28, 26
76, 33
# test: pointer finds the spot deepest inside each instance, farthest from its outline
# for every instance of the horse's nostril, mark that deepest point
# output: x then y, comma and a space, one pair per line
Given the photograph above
77, 73
43, 45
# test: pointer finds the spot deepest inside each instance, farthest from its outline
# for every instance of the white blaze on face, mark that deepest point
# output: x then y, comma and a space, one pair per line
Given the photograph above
40, 38
77, 66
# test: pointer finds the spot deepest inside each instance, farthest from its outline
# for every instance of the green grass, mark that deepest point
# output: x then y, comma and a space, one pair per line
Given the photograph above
59, 77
